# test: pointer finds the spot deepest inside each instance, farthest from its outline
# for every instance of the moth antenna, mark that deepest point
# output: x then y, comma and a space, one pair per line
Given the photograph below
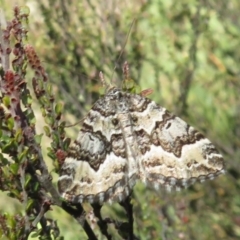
102, 79
124, 46
74, 124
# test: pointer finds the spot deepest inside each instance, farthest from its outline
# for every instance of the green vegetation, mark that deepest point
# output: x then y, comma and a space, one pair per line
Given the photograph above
186, 51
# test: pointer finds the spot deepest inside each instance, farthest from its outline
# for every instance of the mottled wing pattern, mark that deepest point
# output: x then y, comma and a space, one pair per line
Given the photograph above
126, 137
102, 165
173, 154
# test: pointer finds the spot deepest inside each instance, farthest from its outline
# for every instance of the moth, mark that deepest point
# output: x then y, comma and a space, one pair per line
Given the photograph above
127, 137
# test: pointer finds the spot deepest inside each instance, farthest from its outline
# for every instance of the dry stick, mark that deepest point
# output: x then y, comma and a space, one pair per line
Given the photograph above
44, 208
22, 172
102, 79
101, 223
4, 44
129, 210
79, 214
74, 124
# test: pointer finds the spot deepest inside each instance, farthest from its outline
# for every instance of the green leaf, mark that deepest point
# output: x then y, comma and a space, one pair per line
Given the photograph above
47, 131
38, 138
66, 143
36, 186
10, 123
18, 135
15, 193
58, 108
49, 120
30, 115
14, 168
43, 110
49, 89
130, 86
61, 128
27, 100
6, 101
24, 10
55, 137
5, 171
29, 204
23, 154
50, 153
9, 146
28, 178
62, 124
4, 161
44, 101
36, 233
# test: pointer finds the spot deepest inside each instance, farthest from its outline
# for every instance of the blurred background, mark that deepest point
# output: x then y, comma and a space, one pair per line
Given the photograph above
188, 52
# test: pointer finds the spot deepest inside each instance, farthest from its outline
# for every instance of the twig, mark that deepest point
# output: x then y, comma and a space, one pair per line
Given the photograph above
127, 205
4, 43
79, 214
22, 169
44, 208
101, 223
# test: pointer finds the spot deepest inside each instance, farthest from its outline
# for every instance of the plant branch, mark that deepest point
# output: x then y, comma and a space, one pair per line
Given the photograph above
127, 205
101, 222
